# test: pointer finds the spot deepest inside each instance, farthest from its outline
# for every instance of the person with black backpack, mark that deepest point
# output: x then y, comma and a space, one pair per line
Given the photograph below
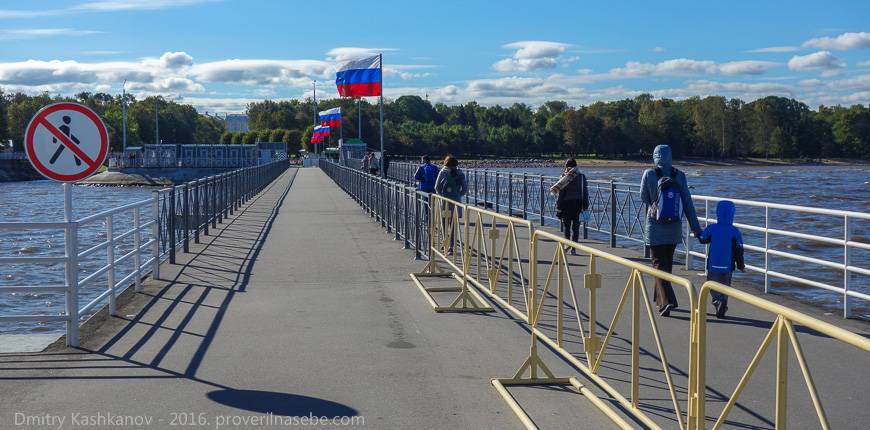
572, 199
665, 192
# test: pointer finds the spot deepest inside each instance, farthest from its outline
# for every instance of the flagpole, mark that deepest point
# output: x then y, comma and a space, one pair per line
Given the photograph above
381, 58
314, 100
359, 117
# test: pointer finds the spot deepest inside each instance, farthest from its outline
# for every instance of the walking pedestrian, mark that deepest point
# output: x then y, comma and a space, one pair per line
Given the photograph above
572, 199
451, 184
426, 174
665, 191
725, 254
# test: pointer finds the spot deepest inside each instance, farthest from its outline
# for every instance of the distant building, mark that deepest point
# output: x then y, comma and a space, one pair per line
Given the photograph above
237, 122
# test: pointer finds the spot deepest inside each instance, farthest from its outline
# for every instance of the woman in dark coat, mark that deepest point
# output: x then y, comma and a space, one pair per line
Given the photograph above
572, 199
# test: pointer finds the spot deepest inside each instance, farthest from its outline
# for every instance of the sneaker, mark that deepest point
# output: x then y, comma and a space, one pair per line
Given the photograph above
665, 311
573, 251
716, 305
720, 310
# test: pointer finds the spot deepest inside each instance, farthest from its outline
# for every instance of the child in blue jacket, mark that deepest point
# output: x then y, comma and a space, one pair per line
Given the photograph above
725, 254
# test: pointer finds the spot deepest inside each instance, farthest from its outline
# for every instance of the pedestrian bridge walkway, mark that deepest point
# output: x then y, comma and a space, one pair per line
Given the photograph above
300, 305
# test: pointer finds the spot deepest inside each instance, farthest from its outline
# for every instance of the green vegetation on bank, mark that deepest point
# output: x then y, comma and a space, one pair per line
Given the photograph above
711, 127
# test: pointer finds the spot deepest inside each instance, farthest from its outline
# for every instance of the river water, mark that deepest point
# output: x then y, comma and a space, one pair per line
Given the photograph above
845, 188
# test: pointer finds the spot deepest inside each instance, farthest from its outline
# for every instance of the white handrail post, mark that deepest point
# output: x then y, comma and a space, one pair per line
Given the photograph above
847, 233
72, 269
688, 244
155, 231
766, 249
707, 224
110, 261
137, 243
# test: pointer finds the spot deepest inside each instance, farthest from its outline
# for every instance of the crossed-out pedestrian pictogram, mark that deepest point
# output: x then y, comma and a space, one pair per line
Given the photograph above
66, 142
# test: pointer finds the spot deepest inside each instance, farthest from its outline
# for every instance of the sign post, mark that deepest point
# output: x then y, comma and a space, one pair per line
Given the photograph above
67, 142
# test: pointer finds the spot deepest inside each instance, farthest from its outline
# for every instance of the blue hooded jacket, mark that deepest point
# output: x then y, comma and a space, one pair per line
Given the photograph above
726, 243
659, 233
426, 175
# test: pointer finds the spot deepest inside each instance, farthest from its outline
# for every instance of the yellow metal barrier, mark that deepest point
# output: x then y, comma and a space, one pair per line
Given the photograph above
447, 245
783, 330
478, 247
494, 254
594, 348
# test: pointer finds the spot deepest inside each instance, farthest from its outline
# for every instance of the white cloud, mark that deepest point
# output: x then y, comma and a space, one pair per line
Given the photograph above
686, 66
865, 63
167, 74
408, 71
843, 42
101, 6
531, 55
857, 83
773, 49
297, 73
659, 49
347, 53
118, 5
822, 61
748, 67
223, 104
32, 33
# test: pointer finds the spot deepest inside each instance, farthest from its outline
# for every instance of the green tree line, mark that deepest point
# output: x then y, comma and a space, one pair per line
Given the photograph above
712, 127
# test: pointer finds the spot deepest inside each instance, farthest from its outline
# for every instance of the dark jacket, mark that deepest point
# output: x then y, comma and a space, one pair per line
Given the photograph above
573, 196
726, 243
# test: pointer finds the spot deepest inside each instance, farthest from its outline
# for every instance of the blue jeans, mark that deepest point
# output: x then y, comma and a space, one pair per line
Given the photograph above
722, 278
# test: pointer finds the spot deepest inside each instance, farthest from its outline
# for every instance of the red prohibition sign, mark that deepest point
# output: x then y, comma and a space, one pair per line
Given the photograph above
44, 135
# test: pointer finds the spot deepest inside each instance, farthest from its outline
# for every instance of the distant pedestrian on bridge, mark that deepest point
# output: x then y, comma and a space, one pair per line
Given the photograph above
426, 175
572, 200
665, 191
451, 184
726, 252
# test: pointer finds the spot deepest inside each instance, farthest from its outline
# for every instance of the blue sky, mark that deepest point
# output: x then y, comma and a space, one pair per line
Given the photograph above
221, 54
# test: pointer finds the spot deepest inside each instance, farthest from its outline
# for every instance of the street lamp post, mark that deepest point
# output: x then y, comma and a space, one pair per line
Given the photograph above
157, 121
124, 116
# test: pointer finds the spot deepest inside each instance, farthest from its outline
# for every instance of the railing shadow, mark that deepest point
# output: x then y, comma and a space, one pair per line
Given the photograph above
196, 273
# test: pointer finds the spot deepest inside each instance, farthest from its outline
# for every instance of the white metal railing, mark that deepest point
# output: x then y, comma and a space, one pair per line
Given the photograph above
73, 256
766, 249
171, 218
617, 211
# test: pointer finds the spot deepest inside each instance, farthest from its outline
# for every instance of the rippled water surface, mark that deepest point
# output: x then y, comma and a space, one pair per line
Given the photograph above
43, 201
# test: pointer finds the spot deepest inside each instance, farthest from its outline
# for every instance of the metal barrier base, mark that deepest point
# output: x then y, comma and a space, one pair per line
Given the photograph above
533, 364
501, 384
468, 300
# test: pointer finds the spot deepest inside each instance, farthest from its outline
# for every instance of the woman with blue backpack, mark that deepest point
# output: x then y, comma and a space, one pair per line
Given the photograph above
665, 192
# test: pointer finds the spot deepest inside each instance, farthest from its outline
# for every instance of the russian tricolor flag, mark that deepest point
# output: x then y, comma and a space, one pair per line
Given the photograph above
331, 117
321, 131
360, 78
